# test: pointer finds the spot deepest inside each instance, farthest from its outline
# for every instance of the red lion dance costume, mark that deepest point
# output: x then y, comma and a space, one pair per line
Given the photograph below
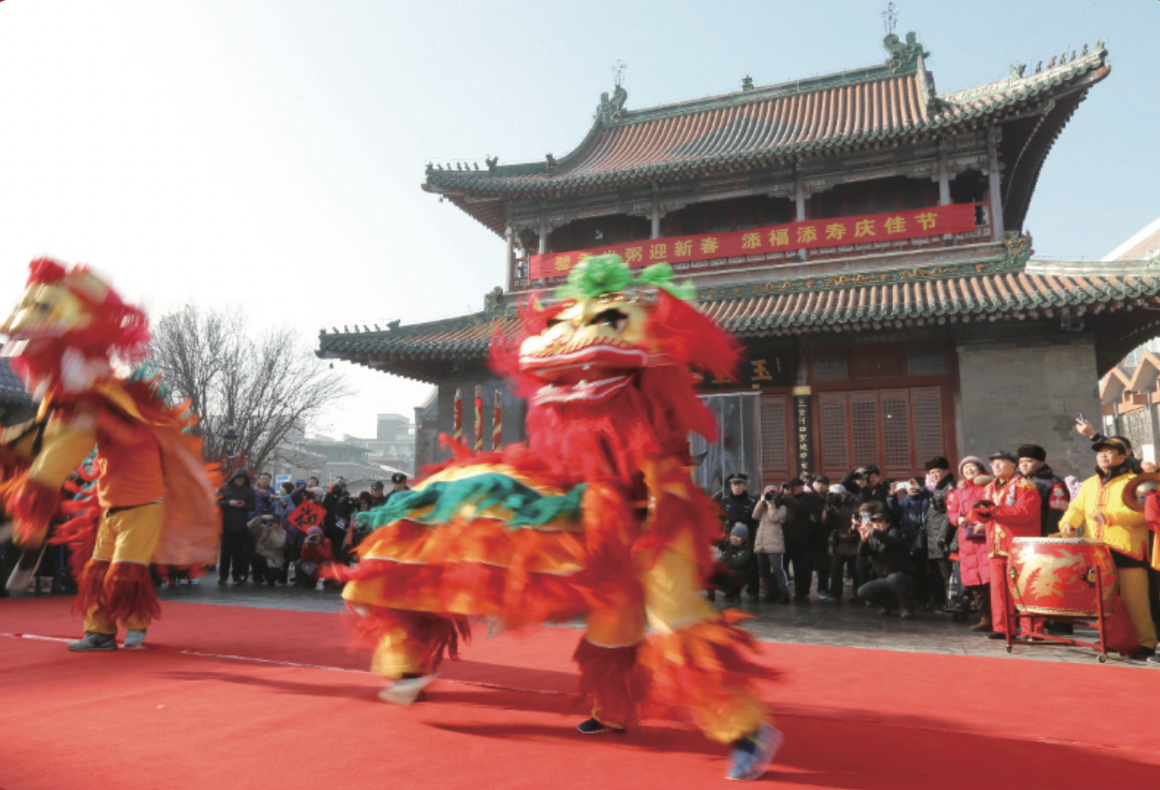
154, 499
596, 516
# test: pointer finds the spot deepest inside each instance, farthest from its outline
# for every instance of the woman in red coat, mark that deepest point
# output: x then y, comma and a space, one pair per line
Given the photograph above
974, 564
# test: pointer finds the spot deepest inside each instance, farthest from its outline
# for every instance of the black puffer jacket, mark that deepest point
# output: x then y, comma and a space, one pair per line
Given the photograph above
234, 519
803, 515
940, 532
888, 552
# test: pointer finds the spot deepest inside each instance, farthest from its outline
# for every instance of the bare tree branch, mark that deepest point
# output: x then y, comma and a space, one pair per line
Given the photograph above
263, 388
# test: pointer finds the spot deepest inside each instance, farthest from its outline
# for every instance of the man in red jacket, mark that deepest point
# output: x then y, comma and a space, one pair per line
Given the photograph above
1009, 509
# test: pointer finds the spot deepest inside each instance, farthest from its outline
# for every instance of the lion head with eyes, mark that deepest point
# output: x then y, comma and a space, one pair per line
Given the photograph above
613, 361
70, 317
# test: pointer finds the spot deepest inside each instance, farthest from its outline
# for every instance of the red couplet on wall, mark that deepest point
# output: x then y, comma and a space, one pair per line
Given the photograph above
809, 234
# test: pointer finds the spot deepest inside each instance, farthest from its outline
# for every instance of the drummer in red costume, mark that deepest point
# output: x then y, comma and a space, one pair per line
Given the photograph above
1009, 509
1099, 513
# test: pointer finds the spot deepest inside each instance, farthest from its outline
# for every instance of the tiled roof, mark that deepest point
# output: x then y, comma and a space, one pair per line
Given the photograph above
756, 127
881, 299
985, 297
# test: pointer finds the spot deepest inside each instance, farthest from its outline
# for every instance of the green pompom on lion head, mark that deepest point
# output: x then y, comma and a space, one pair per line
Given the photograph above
595, 276
598, 275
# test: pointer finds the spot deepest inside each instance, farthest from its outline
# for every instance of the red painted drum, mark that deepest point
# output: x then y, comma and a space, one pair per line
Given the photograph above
1058, 576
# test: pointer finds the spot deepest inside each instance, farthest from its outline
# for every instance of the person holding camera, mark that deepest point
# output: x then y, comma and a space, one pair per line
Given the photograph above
269, 543
888, 551
803, 512
769, 545
840, 516
339, 510
316, 552
940, 531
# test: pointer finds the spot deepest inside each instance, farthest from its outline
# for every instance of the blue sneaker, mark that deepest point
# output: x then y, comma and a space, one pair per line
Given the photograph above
134, 639
752, 754
92, 643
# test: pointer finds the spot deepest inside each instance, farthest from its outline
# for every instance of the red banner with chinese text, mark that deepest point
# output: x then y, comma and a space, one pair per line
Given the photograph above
307, 515
806, 235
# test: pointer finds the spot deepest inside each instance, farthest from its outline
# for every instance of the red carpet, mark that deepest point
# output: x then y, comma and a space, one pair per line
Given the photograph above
178, 714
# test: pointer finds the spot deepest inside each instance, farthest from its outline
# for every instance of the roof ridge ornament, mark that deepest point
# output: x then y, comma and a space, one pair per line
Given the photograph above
903, 56
610, 110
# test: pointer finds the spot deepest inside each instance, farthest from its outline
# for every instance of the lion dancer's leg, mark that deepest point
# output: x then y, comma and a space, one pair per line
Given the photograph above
409, 647
115, 584
696, 657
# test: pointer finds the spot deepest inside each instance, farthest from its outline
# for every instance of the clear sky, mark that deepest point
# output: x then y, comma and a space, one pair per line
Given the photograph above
269, 153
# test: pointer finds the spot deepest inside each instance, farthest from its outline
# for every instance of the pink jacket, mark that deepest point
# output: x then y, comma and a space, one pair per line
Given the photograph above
974, 553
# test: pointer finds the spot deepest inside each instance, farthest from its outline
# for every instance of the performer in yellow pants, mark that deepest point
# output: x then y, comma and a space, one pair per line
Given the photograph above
1100, 513
69, 324
596, 516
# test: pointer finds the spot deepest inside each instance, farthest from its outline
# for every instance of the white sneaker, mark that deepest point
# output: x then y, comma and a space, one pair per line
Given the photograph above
194, 581
405, 691
45, 584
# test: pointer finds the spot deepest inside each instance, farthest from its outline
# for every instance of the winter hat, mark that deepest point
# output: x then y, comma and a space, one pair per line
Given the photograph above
740, 529
938, 462
1031, 451
837, 488
314, 532
972, 459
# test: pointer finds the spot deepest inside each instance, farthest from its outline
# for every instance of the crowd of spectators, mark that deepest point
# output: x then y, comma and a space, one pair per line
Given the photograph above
262, 541
925, 543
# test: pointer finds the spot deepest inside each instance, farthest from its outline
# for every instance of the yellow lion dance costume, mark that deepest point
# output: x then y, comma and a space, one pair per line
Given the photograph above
596, 516
154, 498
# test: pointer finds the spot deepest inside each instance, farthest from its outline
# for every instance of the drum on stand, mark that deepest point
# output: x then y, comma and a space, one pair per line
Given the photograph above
1057, 576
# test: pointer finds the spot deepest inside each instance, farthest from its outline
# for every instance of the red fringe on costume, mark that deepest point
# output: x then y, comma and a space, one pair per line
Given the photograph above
613, 682
434, 635
31, 505
703, 665
123, 590
90, 586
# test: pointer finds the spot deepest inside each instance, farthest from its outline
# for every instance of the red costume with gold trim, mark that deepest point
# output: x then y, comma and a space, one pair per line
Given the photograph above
595, 516
1015, 514
153, 498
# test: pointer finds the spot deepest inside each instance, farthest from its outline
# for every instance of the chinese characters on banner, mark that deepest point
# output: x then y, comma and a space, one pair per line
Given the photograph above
307, 515
801, 426
806, 235
764, 370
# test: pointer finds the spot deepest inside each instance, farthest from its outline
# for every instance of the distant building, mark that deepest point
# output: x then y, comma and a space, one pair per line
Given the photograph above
1130, 392
860, 233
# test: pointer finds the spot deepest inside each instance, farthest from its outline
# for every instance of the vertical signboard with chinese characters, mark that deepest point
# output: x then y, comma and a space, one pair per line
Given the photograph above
802, 430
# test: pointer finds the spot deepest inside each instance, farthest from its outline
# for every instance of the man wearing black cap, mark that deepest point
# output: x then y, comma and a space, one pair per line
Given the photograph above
1100, 513
398, 483
1009, 509
737, 505
378, 499
871, 488
1053, 494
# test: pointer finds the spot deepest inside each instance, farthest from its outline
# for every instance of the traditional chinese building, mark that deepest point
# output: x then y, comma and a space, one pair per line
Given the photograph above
861, 234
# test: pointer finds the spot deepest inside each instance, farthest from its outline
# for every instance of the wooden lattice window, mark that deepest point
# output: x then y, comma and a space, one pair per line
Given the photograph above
774, 449
835, 365
925, 359
864, 412
928, 428
896, 429
833, 425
